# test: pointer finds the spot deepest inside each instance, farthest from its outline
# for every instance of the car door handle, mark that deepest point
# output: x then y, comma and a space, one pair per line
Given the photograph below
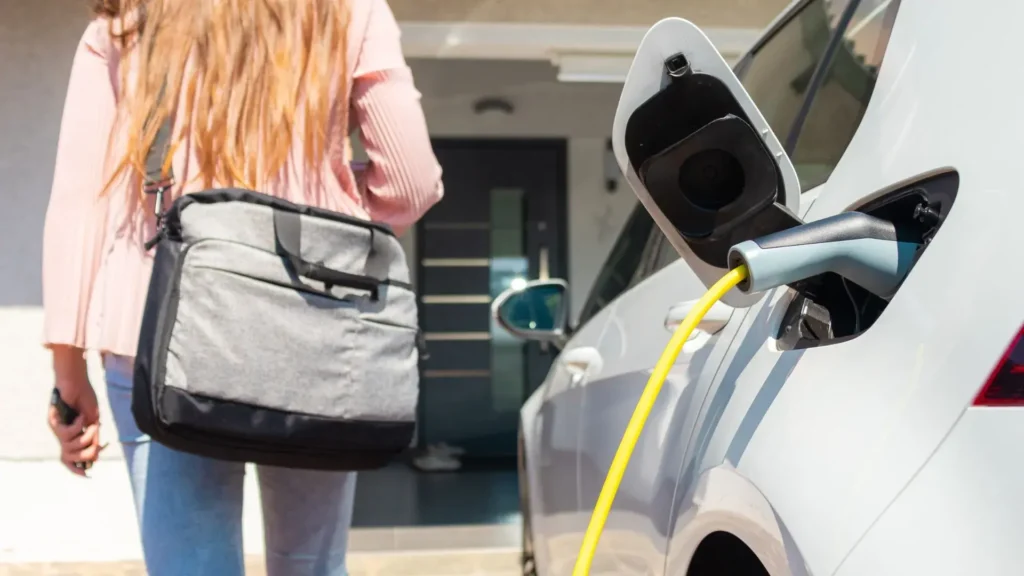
716, 318
580, 362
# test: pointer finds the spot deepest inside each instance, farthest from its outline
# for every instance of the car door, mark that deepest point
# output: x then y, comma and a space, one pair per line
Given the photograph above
556, 532
556, 432
638, 326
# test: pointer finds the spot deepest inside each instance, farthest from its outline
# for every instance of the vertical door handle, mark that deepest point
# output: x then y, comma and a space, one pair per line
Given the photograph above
543, 273
581, 363
716, 318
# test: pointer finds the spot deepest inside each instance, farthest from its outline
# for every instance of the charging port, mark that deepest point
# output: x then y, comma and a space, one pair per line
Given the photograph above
829, 309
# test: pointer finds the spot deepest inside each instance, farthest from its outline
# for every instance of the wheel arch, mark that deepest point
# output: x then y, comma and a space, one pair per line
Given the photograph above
724, 553
722, 501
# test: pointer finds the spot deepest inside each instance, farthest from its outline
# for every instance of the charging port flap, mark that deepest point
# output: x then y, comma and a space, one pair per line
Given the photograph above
698, 153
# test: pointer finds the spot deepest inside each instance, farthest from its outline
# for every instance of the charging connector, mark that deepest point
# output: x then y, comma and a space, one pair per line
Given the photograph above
863, 249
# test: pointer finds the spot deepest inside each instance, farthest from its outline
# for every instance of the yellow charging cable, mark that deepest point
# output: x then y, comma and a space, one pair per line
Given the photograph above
640, 414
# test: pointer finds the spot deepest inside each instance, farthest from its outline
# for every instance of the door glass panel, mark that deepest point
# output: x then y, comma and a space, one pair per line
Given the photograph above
780, 70
840, 102
621, 265
510, 266
666, 255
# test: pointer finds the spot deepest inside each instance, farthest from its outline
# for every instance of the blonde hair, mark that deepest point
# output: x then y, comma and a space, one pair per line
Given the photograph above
235, 71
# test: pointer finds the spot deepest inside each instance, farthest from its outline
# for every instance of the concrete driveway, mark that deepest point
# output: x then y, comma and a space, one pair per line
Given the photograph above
450, 563
98, 535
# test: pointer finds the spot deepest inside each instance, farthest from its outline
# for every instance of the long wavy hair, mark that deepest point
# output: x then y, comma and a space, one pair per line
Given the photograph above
243, 76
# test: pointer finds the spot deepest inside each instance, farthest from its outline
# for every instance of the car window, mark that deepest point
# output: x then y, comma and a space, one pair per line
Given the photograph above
778, 72
839, 103
666, 255
777, 75
619, 271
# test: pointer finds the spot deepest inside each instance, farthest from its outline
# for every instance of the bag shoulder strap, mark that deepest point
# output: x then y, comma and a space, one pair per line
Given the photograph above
156, 182
155, 158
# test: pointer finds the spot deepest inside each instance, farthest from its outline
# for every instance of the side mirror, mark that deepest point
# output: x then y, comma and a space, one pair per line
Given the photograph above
537, 311
698, 153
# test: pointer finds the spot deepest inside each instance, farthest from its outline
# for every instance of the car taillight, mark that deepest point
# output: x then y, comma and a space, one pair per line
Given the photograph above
1005, 386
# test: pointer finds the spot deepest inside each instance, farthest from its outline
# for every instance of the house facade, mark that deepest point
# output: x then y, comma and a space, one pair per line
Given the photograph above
526, 89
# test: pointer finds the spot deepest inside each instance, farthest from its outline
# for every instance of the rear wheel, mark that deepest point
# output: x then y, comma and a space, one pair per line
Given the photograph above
527, 561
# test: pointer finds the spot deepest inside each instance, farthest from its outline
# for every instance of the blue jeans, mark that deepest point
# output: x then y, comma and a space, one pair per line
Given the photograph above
190, 508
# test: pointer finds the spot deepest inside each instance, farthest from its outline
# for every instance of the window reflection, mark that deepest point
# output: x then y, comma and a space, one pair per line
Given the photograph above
779, 73
843, 97
537, 308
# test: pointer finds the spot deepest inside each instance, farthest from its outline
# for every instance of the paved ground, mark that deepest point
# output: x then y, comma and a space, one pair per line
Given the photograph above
99, 538
465, 563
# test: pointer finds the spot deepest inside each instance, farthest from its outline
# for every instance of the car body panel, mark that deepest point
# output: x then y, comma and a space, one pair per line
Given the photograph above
633, 338
722, 500
836, 432
940, 523
846, 459
531, 446
826, 426
551, 422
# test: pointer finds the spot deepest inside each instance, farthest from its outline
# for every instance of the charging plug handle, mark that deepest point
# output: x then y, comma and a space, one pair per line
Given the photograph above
863, 249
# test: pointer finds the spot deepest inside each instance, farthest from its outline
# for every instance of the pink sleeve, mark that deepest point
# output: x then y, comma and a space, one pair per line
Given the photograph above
403, 178
75, 225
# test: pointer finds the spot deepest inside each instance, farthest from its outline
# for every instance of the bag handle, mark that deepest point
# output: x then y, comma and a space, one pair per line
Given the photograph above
288, 237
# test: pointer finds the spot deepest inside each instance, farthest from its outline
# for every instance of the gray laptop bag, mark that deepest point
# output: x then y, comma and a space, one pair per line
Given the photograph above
276, 333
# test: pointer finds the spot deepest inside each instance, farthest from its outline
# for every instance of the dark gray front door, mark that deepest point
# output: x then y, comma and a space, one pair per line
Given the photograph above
502, 222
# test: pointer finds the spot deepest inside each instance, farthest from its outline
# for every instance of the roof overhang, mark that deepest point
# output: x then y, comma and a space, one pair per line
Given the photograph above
581, 53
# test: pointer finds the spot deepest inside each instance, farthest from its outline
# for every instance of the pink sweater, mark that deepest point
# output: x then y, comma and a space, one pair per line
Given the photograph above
95, 268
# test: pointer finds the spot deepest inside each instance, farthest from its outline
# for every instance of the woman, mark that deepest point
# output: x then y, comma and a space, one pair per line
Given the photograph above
263, 95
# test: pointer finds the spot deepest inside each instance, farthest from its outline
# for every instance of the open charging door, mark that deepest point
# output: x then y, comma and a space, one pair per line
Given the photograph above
698, 154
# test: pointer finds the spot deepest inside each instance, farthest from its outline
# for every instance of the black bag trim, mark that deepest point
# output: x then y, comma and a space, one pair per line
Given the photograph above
201, 444
269, 428
242, 195
157, 325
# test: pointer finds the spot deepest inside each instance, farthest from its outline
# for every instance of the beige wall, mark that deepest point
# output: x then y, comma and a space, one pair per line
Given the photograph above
719, 13
581, 113
37, 40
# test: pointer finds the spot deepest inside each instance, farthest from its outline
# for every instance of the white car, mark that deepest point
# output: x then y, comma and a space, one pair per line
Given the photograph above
815, 428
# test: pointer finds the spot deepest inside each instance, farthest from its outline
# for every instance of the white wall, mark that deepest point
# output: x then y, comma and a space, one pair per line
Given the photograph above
37, 40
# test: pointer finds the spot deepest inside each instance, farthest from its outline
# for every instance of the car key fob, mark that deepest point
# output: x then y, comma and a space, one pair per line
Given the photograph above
67, 415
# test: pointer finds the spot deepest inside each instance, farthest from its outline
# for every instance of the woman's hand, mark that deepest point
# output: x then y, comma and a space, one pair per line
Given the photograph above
80, 440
